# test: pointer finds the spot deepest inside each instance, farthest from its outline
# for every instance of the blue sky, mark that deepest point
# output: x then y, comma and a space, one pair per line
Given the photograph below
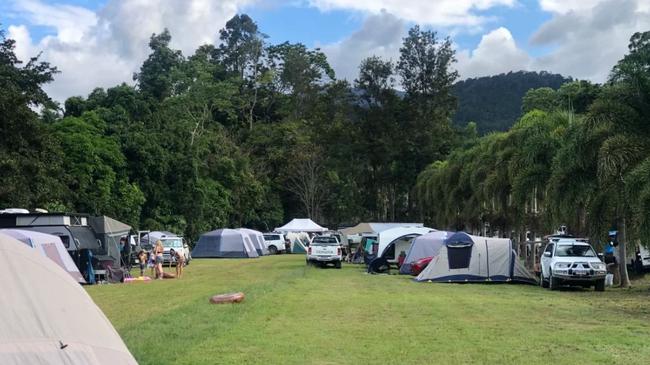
102, 42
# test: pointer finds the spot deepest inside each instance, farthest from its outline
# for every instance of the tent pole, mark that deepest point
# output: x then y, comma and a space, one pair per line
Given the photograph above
487, 259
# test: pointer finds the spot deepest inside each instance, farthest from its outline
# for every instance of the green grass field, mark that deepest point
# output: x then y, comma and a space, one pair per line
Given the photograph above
295, 314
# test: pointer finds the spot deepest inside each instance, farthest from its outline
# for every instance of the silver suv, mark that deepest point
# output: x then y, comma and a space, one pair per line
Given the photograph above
571, 261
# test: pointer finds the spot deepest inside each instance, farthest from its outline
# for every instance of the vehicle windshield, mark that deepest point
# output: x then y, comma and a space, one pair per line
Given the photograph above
173, 243
575, 250
268, 237
324, 241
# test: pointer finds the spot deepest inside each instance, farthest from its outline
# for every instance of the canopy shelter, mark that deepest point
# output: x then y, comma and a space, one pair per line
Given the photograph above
109, 231
257, 238
49, 246
301, 225
47, 317
427, 245
224, 243
465, 258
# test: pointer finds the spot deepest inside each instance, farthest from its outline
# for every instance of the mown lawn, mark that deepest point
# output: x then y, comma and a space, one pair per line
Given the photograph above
295, 314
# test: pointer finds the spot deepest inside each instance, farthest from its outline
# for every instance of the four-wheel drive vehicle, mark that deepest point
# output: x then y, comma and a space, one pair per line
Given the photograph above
170, 242
571, 261
324, 250
274, 242
641, 260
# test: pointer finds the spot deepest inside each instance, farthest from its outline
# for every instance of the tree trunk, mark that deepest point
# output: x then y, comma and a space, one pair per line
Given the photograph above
622, 264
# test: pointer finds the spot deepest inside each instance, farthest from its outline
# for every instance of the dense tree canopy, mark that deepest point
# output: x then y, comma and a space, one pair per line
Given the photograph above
578, 156
246, 133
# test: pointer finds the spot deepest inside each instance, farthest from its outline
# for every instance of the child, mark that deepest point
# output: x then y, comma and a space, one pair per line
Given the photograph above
151, 262
142, 260
180, 263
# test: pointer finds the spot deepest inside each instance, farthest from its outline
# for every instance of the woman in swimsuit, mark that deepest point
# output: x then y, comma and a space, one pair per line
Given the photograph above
159, 259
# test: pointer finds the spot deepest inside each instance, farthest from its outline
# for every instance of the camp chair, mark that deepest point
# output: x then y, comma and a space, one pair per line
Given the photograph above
114, 275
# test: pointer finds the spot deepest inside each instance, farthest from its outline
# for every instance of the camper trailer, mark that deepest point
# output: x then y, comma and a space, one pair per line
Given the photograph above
82, 235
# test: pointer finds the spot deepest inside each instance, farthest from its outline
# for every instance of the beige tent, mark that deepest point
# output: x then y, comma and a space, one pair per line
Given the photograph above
46, 317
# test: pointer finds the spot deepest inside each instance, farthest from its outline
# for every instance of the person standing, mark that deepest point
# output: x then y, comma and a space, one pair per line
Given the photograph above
611, 260
142, 261
158, 251
180, 263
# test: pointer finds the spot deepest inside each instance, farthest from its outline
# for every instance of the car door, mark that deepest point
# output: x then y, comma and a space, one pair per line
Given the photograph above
546, 260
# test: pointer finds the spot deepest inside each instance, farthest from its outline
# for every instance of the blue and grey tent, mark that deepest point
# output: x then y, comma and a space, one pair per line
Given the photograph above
224, 243
465, 258
257, 238
427, 245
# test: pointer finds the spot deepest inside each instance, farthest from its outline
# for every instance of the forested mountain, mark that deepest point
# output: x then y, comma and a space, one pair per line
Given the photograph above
494, 102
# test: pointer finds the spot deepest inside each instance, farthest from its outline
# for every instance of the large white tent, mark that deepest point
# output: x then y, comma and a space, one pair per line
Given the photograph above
47, 317
301, 225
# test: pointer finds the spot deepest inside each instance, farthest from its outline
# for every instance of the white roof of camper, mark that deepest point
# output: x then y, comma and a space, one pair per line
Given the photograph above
388, 236
376, 227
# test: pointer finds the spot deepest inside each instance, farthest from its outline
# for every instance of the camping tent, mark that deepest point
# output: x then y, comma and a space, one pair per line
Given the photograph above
427, 245
301, 225
465, 258
50, 246
109, 231
47, 318
298, 241
224, 243
258, 240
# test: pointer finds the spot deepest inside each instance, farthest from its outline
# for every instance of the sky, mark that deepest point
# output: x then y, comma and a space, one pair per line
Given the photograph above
101, 43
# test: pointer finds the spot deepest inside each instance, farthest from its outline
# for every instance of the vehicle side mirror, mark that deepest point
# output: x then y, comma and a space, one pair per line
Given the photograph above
185, 245
547, 254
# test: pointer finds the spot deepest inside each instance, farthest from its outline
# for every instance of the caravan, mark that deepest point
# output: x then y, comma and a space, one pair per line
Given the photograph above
93, 242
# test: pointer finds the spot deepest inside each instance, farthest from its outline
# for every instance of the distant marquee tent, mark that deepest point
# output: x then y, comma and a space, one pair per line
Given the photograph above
301, 225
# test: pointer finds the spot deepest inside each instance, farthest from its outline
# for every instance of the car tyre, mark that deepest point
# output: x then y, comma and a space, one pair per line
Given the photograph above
337, 264
273, 250
600, 285
553, 283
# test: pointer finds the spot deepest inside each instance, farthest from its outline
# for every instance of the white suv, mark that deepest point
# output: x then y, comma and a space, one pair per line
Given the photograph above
570, 261
324, 250
274, 242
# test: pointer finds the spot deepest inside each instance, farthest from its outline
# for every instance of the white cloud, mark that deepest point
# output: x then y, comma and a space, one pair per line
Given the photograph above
381, 35
589, 40
496, 53
429, 12
70, 22
103, 49
566, 6
20, 34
